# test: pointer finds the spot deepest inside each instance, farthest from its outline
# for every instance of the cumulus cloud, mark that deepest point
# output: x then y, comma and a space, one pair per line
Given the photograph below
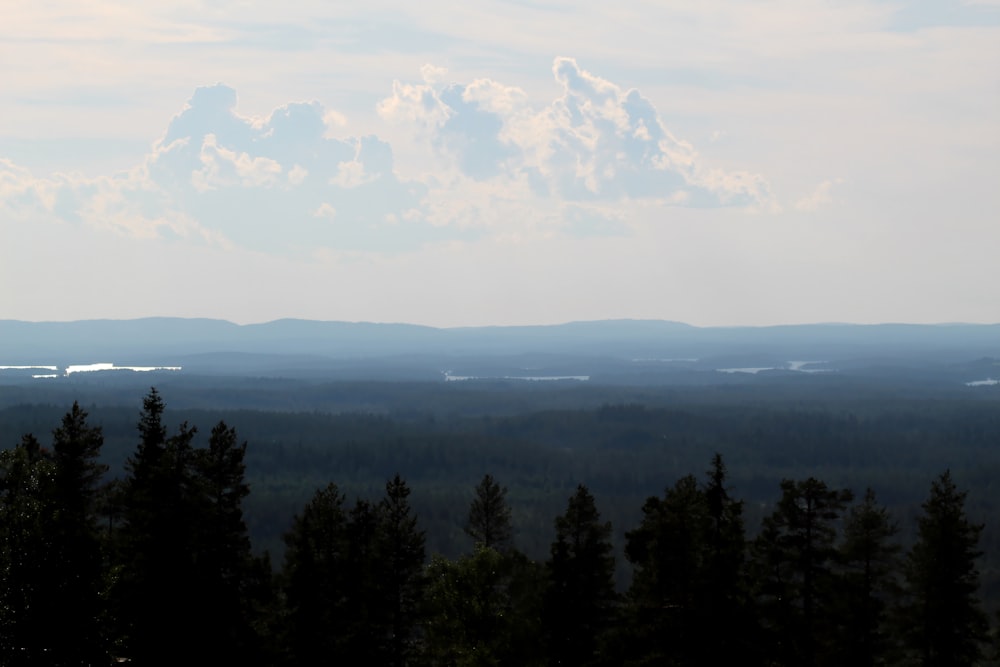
502, 166
595, 142
262, 182
820, 197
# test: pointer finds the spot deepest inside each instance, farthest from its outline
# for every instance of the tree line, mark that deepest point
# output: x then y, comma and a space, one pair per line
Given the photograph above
156, 567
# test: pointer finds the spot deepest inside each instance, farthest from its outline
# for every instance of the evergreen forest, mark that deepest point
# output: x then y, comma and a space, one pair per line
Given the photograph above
709, 528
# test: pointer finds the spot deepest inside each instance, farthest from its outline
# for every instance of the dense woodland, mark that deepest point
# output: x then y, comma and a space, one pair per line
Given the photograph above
717, 531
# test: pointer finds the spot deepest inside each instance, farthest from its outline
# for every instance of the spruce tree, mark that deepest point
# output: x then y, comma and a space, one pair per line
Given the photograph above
401, 561
688, 554
489, 521
870, 557
224, 560
367, 622
78, 566
797, 573
27, 590
161, 512
668, 551
316, 578
944, 623
580, 600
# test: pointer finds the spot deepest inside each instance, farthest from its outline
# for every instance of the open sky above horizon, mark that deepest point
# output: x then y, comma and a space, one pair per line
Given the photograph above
715, 162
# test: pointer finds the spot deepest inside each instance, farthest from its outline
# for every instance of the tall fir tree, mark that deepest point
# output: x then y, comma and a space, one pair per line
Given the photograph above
316, 580
797, 571
944, 623
870, 557
52, 564
78, 571
489, 522
161, 516
224, 560
401, 557
668, 552
364, 637
688, 555
483, 610
580, 600
27, 593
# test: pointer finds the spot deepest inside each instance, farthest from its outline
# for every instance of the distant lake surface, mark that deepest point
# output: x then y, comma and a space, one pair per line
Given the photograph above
85, 368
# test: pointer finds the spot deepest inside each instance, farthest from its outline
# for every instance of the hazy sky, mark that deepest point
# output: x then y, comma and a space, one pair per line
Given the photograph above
718, 162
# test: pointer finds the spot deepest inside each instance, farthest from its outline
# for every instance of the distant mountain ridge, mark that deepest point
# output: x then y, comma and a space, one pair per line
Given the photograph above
164, 339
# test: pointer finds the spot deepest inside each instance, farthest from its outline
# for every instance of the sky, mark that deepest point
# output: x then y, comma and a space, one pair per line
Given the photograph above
715, 162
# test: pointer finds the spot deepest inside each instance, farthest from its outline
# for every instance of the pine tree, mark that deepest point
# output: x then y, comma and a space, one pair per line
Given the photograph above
224, 558
688, 554
366, 626
161, 512
52, 567
581, 598
401, 558
797, 575
489, 521
316, 578
945, 623
479, 613
78, 568
668, 551
870, 557
27, 511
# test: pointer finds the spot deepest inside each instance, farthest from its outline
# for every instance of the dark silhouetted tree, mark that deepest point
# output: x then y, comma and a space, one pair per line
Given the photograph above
688, 554
580, 600
161, 512
489, 521
945, 625
870, 557
27, 588
224, 560
401, 561
78, 566
316, 578
798, 570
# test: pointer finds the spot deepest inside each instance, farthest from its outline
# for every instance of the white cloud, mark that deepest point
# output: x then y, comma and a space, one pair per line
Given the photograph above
325, 210
297, 174
820, 197
595, 141
225, 168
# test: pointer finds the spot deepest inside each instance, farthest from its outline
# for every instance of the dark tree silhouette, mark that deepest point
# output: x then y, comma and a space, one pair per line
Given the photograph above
27, 593
161, 511
942, 615
316, 578
224, 560
77, 570
401, 557
797, 575
489, 521
581, 598
870, 557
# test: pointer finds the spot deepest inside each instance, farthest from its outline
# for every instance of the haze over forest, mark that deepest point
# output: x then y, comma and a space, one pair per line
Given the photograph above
565, 257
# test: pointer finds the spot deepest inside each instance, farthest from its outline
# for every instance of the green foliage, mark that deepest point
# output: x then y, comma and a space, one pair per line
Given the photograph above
173, 566
483, 610
401, 556
316, 576
870, 558
944, 623
27, 527
688, 555
580, 600
50, 550
489, 522
797, 578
